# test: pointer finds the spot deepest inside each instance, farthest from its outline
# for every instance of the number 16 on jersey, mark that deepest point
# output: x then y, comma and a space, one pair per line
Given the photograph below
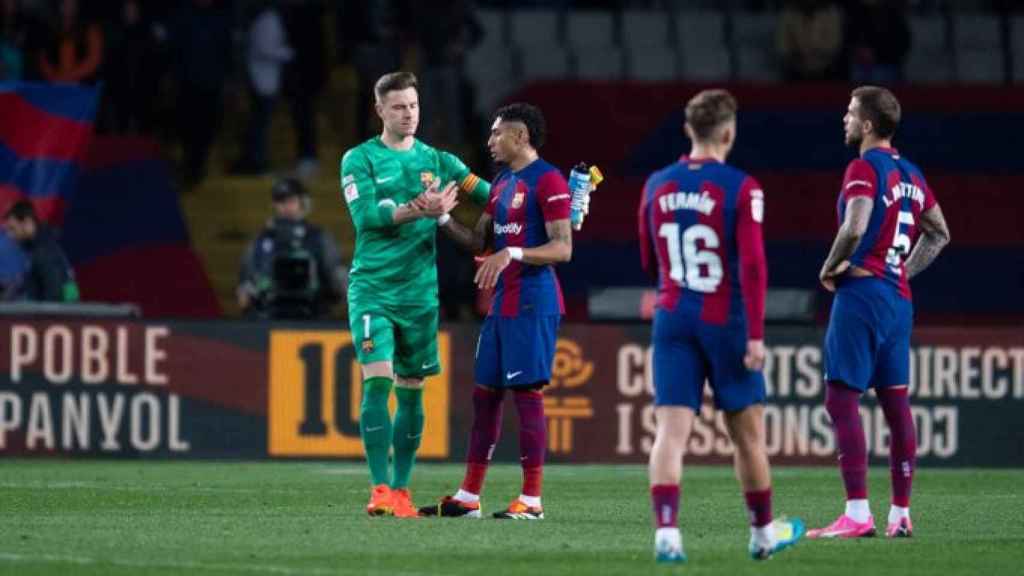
691, 266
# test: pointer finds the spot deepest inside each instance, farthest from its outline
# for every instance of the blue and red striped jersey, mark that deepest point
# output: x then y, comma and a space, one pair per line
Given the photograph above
520, 205
700, 224
900, 195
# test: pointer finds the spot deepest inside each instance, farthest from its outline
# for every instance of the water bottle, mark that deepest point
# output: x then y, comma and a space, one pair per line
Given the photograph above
579, 187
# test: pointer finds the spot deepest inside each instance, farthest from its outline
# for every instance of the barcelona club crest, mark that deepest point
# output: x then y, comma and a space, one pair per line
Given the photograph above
367, 345
426, 178
517, 200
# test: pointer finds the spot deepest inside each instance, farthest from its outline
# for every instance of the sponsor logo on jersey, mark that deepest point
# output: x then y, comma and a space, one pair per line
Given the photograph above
367, 345
517, 200
513, 228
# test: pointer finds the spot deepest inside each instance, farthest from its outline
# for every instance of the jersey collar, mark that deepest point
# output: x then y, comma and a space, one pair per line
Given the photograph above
685, 159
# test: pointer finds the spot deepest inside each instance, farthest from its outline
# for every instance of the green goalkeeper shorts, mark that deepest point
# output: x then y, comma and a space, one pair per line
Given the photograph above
407, 338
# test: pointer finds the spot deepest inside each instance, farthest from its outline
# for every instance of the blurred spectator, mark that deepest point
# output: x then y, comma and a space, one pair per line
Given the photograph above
367, 38
266, 57
75, 50
13, 39
49, 277
809, 39
200, 37
445, 31
878, 39
292, 269
134, 65
305, 76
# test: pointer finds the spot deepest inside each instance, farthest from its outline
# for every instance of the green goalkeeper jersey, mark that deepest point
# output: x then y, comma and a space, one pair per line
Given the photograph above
396, 265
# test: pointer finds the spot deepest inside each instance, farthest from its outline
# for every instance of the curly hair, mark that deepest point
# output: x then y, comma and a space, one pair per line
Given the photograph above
529, 115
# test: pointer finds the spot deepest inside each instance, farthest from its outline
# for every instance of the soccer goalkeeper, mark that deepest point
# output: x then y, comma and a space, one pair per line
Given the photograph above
390, 184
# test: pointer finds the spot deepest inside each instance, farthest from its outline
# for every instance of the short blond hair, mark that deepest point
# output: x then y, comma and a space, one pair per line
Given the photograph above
708, 110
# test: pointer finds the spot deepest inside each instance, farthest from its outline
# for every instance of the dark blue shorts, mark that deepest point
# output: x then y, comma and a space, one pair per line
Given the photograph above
868, 337
688, 352
516, 352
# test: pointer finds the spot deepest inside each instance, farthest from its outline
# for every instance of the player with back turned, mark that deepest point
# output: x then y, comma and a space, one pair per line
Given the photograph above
884, 206
700, 234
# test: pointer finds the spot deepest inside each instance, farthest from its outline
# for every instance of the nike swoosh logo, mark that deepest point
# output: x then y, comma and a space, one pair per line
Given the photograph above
386, 179
413, 436
511, 375
833, 533
368, 429
424, 366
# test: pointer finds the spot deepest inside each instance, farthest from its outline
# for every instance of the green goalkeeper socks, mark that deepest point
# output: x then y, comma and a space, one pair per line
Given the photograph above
408, 433
375, 427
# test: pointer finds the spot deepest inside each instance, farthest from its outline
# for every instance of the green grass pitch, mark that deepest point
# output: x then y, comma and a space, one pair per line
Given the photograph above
282, 518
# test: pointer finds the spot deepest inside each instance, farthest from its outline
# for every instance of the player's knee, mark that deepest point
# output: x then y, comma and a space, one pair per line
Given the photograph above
382, 369
674, 426
410, 383
375, 391
667, 446
748, 443
839, 399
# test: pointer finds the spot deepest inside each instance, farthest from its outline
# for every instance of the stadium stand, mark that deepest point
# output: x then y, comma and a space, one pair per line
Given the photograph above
930, 59
978, 45
753, 36
650, 51
1017, 47
704, 52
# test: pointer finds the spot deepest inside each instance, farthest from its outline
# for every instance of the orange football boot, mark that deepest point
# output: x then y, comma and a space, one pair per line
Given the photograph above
381, 501
401, 502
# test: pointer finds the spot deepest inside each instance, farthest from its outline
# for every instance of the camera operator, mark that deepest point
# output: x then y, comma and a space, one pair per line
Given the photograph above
293, 269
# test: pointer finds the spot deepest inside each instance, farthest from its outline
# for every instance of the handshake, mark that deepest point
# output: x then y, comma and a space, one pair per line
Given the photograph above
435, 202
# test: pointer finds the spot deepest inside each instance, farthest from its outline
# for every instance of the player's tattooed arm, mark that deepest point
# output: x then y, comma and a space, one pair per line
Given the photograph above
934, 237
858, 213
558, 248
474, 240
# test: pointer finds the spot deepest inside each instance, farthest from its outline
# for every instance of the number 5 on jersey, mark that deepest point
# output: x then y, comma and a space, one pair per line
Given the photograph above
900, 241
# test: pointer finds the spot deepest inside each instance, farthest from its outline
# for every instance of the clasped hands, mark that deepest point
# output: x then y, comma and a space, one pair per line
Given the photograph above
432, 202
